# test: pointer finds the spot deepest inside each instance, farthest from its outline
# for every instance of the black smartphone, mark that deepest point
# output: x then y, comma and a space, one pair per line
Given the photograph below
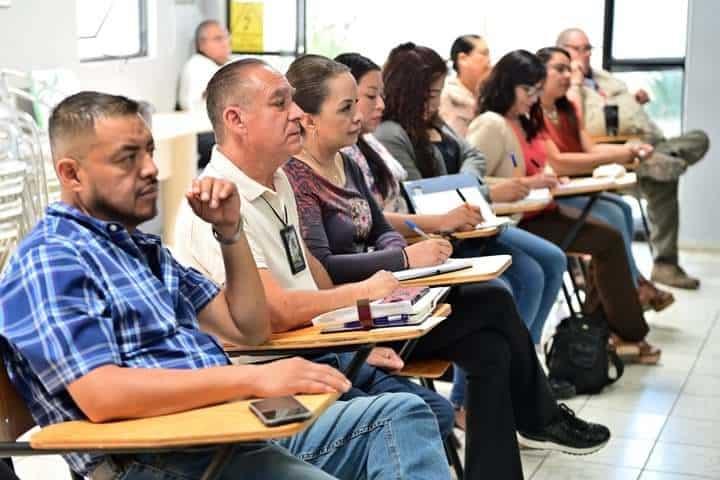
279, 410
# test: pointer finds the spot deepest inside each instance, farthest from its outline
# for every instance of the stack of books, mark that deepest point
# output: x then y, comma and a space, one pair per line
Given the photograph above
405, 306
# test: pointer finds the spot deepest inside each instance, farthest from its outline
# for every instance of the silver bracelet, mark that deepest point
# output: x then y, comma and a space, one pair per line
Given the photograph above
231, 240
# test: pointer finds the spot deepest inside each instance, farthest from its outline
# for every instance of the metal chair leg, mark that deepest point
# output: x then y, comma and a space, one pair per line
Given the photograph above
452, 444
218, 462
572, 259
646, 225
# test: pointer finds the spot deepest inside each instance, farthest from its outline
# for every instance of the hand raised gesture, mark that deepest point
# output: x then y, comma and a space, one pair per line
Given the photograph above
217, 202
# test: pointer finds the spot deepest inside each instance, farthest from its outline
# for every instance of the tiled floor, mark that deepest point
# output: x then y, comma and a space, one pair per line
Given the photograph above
665, 419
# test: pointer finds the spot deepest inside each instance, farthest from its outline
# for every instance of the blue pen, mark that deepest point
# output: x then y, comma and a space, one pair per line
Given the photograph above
514, 160
417, 229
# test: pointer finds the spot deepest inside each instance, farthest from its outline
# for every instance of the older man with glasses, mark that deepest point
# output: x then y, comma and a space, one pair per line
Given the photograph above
591, 90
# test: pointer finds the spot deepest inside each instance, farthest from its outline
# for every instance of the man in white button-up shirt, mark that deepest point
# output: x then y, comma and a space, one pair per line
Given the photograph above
212, 51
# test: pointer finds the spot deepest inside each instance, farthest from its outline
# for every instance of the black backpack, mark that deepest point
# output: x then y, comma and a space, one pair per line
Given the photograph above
579, 353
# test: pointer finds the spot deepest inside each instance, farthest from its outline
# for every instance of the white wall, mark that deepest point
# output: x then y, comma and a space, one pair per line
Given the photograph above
26, 38
39, 34
700, 220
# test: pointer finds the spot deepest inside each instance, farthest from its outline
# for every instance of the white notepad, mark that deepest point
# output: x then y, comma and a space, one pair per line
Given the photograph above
536, 196
440, 203
451, 265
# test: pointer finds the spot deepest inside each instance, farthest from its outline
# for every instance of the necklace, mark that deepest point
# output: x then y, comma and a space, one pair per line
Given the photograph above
551, 113
335, 176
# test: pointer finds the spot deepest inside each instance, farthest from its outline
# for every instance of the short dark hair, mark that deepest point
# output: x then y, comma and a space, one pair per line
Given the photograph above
228, 85
408, 73
200, 32
76, 115
562, 104
462, 44
358, 64
309, 75
518, 67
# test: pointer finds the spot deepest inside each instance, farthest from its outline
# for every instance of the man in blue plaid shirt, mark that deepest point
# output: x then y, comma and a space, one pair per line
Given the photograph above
99, 322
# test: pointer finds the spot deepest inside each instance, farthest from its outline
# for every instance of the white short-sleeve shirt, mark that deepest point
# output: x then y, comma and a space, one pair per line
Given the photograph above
196, 246
195, 75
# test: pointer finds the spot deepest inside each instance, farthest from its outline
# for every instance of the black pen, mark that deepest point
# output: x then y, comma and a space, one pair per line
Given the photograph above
537, 165
462, 197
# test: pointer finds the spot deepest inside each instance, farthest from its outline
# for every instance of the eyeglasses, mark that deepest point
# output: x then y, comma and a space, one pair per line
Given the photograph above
580, 48
560, 67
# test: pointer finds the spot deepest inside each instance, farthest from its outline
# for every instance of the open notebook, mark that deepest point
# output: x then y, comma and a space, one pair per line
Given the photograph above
405, 306
536, 196
440, 203
450, 265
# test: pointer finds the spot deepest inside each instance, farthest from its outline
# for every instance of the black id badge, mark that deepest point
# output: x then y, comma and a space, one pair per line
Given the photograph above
292, 249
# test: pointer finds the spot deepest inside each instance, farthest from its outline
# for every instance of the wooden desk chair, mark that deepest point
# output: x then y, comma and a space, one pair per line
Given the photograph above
613, 138
483, 269
425, 369
484, 232
221, 425
311, 340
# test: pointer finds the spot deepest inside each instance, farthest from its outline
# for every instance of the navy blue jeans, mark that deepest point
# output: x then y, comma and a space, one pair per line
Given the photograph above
391, 436
373, 381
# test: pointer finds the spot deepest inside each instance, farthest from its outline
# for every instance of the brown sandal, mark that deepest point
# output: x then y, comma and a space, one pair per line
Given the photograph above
635, 352
662, 300
623, 348
649, 355
652, 297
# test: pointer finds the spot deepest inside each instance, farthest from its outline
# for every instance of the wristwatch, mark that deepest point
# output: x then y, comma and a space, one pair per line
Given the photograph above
231, 240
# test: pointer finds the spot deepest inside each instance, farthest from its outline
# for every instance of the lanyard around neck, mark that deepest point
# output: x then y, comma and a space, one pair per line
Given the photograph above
284, 222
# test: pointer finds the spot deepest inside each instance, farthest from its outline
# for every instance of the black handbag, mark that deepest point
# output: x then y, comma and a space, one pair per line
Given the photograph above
579, 353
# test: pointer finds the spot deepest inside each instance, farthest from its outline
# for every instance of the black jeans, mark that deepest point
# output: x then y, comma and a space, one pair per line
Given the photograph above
507, 389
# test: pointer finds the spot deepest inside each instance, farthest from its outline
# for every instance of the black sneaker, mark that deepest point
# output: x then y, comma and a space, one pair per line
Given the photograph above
562, 389
568, 434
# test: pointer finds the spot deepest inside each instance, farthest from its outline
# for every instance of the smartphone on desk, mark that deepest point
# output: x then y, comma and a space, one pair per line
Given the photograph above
279, 411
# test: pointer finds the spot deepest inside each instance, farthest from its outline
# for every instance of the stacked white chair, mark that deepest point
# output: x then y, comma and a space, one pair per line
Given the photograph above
23, 184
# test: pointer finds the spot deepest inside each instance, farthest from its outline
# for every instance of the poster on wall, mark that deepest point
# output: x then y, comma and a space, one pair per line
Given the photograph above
246, 26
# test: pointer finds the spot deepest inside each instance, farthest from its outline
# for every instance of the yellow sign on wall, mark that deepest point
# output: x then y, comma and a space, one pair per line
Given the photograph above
246, 26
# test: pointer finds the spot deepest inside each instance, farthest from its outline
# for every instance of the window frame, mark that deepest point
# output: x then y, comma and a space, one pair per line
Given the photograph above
652, 64
300, 34
632, 64
144, 48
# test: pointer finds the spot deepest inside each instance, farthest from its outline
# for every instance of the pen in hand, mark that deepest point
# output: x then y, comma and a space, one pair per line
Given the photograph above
460, 194
413, 226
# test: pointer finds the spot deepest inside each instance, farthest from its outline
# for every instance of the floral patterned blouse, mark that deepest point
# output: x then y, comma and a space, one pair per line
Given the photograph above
343, 227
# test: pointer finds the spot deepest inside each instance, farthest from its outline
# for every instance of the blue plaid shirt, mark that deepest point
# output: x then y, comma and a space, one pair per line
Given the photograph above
81, 293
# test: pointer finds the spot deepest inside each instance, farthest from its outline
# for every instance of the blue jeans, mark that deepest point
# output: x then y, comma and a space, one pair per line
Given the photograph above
390, 436
534, 278
616, 212
372, 381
